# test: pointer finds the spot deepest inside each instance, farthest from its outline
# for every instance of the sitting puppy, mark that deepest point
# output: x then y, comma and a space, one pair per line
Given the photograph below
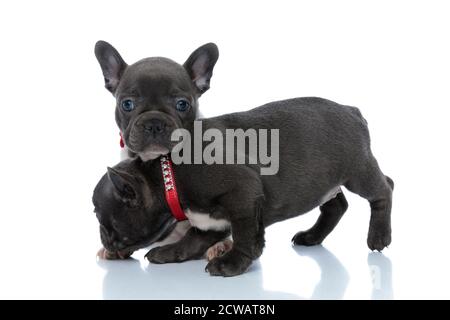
154, 96
322, 146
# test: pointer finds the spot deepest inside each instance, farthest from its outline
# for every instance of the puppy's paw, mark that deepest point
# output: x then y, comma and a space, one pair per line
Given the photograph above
307, 238
164, 254
111, 255
219, 249
231, 264
379, 239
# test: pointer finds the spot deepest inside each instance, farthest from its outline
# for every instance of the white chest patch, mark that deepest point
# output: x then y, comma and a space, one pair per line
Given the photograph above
176, 235
203, 221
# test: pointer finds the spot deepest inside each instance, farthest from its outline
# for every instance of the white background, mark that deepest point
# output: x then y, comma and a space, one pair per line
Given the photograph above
389, 58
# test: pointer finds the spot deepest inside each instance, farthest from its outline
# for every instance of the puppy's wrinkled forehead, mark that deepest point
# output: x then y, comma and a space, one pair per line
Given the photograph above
155, 76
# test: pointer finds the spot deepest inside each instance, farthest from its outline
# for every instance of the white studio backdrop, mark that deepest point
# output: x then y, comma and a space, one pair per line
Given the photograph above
389, 58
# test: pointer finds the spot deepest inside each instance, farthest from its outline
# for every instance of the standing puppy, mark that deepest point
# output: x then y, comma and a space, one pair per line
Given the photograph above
322, 146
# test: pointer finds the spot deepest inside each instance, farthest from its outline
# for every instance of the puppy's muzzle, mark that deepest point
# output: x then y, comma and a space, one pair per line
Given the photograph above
149, 134
109, 239
154, 127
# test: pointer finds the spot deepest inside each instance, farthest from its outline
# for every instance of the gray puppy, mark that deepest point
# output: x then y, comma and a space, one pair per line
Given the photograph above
155, 95
322, 146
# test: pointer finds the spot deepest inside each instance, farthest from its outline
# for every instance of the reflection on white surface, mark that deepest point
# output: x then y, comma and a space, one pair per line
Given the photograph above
333, 275
381, 270
132, 280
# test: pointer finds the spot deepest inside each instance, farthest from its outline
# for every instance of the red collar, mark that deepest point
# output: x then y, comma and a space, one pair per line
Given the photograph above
170, 189
122, 144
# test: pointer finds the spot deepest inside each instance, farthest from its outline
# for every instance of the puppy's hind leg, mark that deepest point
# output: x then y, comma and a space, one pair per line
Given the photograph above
330, 214
377, 188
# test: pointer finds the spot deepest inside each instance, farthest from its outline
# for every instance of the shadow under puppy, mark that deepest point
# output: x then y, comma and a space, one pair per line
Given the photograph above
154, 96
322, 146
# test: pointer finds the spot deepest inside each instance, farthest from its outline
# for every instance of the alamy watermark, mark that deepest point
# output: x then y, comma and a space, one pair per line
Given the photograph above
235, 146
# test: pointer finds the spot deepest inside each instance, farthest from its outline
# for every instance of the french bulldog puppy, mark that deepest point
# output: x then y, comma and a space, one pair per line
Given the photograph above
155, 95
322, 146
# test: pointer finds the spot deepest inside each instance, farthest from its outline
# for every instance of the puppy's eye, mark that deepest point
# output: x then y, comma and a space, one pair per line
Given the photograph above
182, 105
127, 105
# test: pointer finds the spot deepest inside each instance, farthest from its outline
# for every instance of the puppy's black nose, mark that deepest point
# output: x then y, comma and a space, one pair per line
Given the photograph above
154, 126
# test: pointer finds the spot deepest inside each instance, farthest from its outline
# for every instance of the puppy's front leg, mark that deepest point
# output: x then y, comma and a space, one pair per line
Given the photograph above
247, 230
192, 246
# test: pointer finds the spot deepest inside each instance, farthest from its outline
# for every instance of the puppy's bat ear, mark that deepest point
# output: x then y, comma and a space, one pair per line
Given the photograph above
112, 64
122, 183
200, 65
